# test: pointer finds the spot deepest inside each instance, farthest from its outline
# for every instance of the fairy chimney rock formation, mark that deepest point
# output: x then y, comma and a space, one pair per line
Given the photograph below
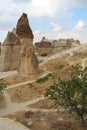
10, 52
23, 29
29, 63
0, 48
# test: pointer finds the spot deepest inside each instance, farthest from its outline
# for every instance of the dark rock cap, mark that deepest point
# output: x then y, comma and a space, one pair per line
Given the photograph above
23, 29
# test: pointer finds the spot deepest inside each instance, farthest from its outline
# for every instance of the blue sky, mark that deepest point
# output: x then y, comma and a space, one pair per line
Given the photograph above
53, 19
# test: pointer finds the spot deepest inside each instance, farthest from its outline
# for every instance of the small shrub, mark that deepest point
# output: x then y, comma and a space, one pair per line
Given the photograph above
3, 85
43, 79
30, 84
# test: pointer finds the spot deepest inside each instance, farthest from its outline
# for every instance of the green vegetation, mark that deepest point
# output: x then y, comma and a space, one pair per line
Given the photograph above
71, 93
43, 79
30, 84
3, 85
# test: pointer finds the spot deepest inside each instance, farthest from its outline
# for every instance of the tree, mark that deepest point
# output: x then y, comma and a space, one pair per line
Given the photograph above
72, 92
3, 85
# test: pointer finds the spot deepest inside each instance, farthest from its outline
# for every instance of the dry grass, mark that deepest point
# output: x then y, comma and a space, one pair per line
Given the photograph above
2, 101
47, 121
56, 64
15, 79
44, 104
78, 56
23, 93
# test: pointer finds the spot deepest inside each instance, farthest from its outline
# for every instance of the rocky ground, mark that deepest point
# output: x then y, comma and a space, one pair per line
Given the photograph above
24, 100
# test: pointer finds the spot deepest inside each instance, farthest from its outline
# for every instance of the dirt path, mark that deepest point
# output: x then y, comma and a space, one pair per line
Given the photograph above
8, 124
7, 74
69, 51
27, 82
12, 107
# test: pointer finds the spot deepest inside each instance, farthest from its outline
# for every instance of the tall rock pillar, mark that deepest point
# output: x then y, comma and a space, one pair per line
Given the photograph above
10, 56
28, 63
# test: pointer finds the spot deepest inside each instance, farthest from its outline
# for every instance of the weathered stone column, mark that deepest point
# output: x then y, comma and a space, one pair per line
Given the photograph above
10, 56
29, 63
0, 48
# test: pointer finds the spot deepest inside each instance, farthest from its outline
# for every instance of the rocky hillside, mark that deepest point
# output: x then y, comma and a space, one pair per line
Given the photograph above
47, 47
25, 95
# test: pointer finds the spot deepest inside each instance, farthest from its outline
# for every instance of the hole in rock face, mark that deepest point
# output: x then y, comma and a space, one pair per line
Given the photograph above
44, 54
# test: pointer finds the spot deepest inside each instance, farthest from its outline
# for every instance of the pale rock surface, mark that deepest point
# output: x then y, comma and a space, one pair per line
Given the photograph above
10, 55
29, 62
0, 48
47, 47
62, 44
65, 42
44, 47
8, 124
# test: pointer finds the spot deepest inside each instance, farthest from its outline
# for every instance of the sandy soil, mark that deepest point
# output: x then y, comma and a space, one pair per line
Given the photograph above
47, 120
39, 113
15, 79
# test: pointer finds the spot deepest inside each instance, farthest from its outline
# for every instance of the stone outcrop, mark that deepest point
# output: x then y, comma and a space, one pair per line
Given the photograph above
10, 55
0, 48
65, 42
61, 44
47, 47
44, 47
28, 63
23, 29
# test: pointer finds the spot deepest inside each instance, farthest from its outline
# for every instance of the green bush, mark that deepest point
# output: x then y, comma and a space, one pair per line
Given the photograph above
43, 79
3, 85
71, 93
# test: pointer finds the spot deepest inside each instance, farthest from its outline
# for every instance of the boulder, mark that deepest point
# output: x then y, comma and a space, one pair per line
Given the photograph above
29, 62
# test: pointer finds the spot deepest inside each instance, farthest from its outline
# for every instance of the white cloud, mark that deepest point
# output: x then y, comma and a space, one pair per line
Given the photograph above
80, 3
55, 27
80, 25
78, 32
11, 10
3, 34
37, 35
39, 8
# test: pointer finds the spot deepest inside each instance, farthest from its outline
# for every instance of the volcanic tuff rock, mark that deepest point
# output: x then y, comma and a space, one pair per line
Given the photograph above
65, 42
23, 29
29, 63
0, 48
44, 47
10, 52
62, 44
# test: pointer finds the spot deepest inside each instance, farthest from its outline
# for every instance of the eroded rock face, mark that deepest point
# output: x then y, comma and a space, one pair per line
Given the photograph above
10, 55
44, 47
47, 47
23, 29
28, 63
65, 42
0, 48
